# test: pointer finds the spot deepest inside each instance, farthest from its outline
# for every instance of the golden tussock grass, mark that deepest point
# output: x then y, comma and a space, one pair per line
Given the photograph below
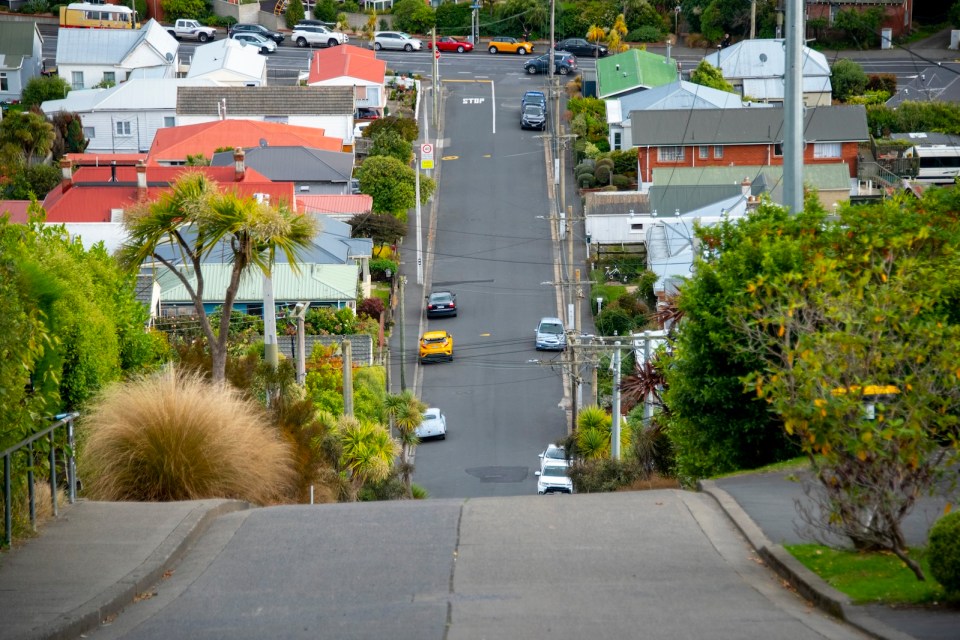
174, 436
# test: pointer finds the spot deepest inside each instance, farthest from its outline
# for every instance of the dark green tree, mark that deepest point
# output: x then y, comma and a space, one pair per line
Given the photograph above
325, 10
391, 184
708, 75
69, 134
43, 88
29, 134
955, 15
862, 27
176, 9
382, 228
847, 79
406, 127
294, 13
413, 16
391, 143
34, 181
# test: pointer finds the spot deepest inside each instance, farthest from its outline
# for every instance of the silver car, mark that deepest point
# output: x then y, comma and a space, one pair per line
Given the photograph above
265, 45
434, 425
396, 40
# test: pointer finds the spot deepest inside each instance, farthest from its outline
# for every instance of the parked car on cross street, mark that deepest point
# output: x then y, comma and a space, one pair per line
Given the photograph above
564, 63
509, 45
447, 44
581, 47
433, 425
310, 35
265, 45
396, 40
260, 30
441, 303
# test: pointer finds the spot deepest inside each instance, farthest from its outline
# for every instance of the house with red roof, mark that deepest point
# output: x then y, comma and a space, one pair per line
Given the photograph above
172, 145
352, 66
103, 193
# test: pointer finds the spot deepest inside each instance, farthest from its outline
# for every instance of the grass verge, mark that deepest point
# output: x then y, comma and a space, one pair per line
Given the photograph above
799, 463
870, 577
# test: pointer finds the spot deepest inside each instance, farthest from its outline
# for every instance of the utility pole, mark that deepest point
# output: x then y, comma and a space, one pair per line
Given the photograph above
436, 79
403, 349
753, 19
793, 109
347, 378
300, 312
615, 429
551, 64
419, 224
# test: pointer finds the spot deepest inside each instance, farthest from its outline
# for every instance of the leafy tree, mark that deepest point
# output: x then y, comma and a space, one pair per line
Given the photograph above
43, 88
523, 17
383, 229
940, 116
862, 27
596, 34
193, 9
406, 414
391, 184
708, 75
453, 18
641, 13
294, 13
68, 129
392, 144
847, 79
367, 451
724, 16
29, 133
955, 15
413, 16
408, 128
859, 348
30, 182
325, 10
195, 219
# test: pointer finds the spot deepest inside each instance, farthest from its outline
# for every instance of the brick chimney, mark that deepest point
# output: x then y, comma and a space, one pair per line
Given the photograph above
66, 172
239, 167
141, 181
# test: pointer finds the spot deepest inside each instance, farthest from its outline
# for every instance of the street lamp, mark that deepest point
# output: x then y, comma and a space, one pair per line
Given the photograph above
676, 22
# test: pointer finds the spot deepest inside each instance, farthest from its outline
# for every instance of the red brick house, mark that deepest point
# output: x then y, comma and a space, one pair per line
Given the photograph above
897, 14
734, 137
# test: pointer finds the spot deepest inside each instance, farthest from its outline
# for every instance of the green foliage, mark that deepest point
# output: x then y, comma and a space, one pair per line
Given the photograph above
708, 75
622, 183
371, 308
413, 16
944, 552
42, 88
33, 182
613, 320
862, 27
382, 228
325, 10
379, 266
909, 116
192, 9
35, 6
453, 18
406, 127
27, 132
882, 82
954, 15
724, 16
605, 475
645, 33
848, 79
589, 119
177, 437
391, 184
519, 17
330, 321
197, 160
294, 13
68, 131
390, 143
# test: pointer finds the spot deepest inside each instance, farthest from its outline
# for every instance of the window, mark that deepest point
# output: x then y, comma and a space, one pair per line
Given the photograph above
636, 226
123, 128
703, 152
778, 150
169, 121
89, 133
76, 80
826, 150
617, 140
717, 152
110, 76
669, 154
3, 82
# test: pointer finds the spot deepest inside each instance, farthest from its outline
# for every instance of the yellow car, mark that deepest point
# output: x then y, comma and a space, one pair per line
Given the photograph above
510, 45
436, 345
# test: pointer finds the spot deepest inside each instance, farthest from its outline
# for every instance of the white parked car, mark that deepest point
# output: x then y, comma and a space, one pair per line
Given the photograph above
554, 478
550, 335
434, 425
265, 45
396, 40
311, 35
553, 454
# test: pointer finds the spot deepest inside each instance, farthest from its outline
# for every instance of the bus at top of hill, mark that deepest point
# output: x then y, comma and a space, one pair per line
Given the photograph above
98, 16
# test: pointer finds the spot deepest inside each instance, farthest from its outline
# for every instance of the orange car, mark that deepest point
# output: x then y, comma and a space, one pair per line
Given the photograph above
510, 45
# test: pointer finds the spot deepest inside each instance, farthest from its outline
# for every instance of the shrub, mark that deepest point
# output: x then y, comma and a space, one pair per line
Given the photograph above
370, 308
614, 319
645, 33
406, 127
379, 266
882, 82
604, 475
602, 174
622, 183
944, 552
954, 15
586, 181
848, 79
173, 436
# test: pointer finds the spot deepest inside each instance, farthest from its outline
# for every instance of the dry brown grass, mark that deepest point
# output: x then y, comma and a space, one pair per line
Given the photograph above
653, 482
174, 436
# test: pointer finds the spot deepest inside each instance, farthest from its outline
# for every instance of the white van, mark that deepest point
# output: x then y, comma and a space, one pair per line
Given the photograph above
551, 335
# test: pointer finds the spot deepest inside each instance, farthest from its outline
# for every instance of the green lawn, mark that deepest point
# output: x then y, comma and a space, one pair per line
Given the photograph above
870, 577
794, 464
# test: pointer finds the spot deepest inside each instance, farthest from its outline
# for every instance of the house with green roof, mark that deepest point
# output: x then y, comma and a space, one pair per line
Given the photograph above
21, 57
632, 71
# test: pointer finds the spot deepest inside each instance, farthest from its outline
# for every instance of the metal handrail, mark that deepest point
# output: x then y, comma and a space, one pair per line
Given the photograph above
64, 419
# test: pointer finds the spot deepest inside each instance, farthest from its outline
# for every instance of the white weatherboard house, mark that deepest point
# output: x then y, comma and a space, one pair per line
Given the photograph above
755, 69
87, 57
229, 63
21, 57
124, 118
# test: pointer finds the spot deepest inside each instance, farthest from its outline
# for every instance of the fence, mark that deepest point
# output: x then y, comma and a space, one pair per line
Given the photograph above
26, 447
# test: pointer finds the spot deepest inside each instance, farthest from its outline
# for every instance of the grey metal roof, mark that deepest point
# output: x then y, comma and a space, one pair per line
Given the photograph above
678, 127
112, 46
272, 100
16, 39
680, 95
293, 164
669, 199
940, 83
764, 179
927, 138
601, 203
764, 58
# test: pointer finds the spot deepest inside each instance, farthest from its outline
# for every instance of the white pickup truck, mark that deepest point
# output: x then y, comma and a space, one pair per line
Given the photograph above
191, 30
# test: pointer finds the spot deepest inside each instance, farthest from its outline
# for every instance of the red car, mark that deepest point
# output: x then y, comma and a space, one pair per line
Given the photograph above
451, 45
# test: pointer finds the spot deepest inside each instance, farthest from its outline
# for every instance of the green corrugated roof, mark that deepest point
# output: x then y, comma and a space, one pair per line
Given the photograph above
633, 69
819, 176
317, 282
16, 38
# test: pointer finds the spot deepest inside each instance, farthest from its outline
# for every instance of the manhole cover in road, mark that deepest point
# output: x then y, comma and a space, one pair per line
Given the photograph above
499, 474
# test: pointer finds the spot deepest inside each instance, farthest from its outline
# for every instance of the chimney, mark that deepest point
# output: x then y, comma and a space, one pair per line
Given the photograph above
239, 168
113, 171
745, 188
66, 172
141, 181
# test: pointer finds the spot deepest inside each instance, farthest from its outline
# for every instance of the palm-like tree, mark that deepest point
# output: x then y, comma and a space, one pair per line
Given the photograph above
367, 450
406, 413
194, 218
596, 34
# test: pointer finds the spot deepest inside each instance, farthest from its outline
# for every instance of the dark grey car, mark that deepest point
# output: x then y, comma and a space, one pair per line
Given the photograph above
533, 116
